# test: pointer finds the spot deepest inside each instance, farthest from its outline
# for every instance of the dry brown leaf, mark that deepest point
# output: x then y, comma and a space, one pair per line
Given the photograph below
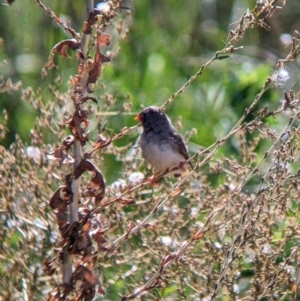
49, 266
150, 227
61, 152
99, 238
59, 202
84, 99
55, 295
77, 124
126, 201
176, 192
89, 260
68, 141
105, 10
62, 47
129, 229
61, 198
88, 295
101, 142
88, 282
101, 291
96, 68
61, 155
82, 244
86, 227
96, 187
87, 28
199, 235
91, 278
103, 40
66, 289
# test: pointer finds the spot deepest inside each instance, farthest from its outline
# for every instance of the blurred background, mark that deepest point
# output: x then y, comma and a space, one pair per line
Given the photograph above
167, 42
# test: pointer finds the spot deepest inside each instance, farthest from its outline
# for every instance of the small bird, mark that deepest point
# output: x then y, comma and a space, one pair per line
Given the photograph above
162, 147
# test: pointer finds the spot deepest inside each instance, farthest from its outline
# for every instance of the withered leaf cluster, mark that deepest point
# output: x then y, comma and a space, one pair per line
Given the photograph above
94, 65
84, 280
61, 153
89, 70
77, 124
76, 236
103, 13
61, 48
96, 187
99, 59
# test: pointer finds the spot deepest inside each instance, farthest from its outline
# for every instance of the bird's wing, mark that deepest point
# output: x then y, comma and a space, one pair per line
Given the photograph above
180, 145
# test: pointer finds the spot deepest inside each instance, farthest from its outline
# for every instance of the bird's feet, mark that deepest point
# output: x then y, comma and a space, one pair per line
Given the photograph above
155, 179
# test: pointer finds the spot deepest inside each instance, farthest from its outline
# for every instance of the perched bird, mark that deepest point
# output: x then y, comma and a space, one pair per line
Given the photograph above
162, 147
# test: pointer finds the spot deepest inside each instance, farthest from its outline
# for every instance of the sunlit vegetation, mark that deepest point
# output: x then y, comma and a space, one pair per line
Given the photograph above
81, 216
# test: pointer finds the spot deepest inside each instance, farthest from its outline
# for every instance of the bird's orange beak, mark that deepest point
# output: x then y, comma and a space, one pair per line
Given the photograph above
138, 118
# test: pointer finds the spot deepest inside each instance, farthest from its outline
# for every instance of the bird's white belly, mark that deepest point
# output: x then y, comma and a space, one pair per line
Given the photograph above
162, 157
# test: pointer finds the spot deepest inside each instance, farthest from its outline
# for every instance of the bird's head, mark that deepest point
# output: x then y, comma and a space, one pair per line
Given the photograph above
152, 116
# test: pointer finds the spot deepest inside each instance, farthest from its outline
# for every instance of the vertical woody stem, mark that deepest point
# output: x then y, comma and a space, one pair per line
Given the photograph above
67, 264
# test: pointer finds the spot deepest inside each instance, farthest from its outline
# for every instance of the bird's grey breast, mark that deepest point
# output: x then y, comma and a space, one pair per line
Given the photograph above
158, 149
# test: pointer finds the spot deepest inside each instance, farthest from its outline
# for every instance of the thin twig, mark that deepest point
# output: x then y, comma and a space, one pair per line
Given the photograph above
244, 216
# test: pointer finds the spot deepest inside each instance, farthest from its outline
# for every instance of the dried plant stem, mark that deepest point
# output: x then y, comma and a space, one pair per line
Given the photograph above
67, 264
67, 269
297, 281
151, 283
245, 215
173, 257
75, 183
58, 20
198, 73
281, 269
